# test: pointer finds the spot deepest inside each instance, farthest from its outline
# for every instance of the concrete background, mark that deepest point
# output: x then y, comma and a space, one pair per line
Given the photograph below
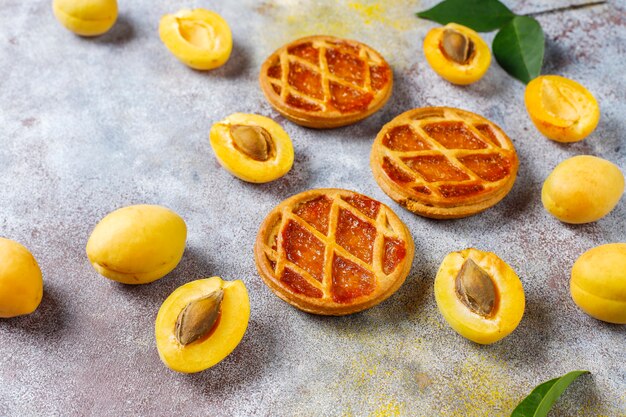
90, 125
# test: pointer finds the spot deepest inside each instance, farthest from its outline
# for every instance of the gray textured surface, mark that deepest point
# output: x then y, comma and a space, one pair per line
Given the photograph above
89, 125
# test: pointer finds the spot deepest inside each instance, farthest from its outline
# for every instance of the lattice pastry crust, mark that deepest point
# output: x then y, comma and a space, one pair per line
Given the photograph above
443, 163
324, 82
333, 252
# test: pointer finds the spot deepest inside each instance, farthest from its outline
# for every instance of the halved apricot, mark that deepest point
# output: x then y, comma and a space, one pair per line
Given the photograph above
561, 109
457, 53
201, 323
199, 38
251, 147
479, 295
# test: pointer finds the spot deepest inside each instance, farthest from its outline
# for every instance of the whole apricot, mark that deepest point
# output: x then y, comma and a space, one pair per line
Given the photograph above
252, 147
201, 323
582, 189
86, 17
561, 109
21, 284
199, 38
137, 244
479, 295
598, 282
457, 53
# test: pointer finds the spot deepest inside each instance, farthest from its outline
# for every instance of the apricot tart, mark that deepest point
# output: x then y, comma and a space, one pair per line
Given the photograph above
325, 82
333, 252
444, 163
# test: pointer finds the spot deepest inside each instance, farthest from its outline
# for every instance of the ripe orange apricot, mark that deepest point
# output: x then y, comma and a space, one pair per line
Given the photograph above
457, 53
201, 323
561, 109
479, 295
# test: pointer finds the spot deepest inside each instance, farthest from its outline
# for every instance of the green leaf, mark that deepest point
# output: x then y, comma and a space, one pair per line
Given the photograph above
541, 399
480, 15
518, 48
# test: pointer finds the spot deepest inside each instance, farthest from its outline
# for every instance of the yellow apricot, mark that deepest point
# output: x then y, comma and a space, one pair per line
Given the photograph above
582, 189
598, 282
479, 295
457, 53
561, 109
21, 284
201, 323
251, 147
86, 17
199, 38
137, 244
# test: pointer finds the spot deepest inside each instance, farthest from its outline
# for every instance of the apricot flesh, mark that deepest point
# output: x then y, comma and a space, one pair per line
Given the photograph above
251, 147
21, 283
598, 282
484, 304
218, 341
561, 109
86, 17
457, 53
582, 189
199, 38
137, 244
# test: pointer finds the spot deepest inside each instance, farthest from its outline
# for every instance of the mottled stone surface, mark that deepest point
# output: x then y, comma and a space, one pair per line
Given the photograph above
89, 125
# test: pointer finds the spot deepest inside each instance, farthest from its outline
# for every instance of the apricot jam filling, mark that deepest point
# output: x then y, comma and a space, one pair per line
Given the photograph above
316, 212
304, 249
404, 138
346, 99
355, 235
490, 167
305, 80
299, 285
365, 205
454, 135
346, 66
350, 280
435, 168
395, 252
306, 51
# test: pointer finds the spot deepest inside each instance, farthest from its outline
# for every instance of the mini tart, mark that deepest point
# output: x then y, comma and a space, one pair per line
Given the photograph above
326, 82
333, 252
444, 163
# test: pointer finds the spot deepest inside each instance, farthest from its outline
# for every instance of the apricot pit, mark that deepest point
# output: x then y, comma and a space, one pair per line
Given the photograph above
252, 147
479, 295
201, 323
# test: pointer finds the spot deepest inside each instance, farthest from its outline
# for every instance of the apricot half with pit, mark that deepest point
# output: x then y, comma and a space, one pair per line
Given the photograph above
21, 284
598, 282
86, 17
137, 244
561, 109
251, 147
201, 323
457, 53
582, 189
199, 38
479, 295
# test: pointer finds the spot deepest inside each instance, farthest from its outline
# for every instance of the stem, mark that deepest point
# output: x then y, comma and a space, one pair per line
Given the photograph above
566, 8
